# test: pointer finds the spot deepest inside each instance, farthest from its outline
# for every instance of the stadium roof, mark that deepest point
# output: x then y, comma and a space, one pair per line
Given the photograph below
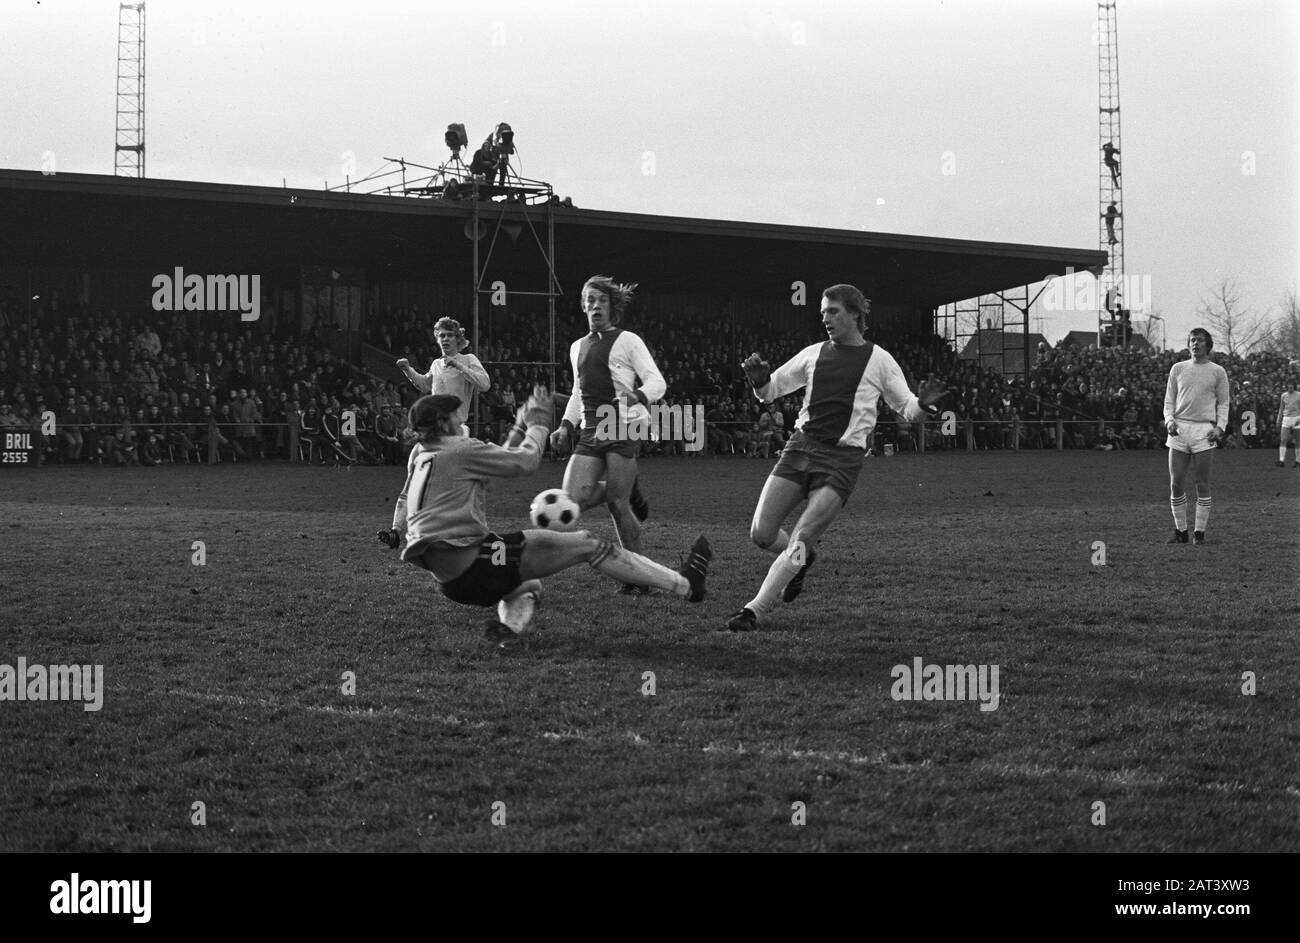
96, 221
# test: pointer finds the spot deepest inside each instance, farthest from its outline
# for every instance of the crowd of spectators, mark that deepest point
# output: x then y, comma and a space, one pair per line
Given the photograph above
150, 388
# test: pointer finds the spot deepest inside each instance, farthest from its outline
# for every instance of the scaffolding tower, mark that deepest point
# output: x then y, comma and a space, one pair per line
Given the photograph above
1112, 309
128, 158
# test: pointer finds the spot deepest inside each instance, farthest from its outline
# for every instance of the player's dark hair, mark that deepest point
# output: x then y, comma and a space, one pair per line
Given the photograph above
1209, 341
428, 413
852, 299
620, 295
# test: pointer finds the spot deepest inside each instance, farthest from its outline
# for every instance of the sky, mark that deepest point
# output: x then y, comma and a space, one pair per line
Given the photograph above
970, 120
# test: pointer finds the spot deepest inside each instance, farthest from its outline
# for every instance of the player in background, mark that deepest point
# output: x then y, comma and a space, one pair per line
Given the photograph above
843, 378
455, 373
442, 514
1196, 417
611, 367
1288, 420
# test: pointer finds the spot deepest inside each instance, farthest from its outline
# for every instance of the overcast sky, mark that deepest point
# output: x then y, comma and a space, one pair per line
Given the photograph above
838, 114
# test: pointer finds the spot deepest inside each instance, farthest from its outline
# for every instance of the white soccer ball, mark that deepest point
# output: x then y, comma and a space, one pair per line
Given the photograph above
553, 509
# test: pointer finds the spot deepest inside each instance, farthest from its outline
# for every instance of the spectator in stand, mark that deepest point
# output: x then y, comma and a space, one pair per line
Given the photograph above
387, 432
770, 431
181, 436
247, 416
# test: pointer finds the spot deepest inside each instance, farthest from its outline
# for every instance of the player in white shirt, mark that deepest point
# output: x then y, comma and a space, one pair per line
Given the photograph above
1196, 417
454, 373
442, 514
1288, 420
611, 368
843, 379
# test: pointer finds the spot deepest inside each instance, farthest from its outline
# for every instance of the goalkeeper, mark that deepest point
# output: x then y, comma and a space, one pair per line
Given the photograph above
442, 514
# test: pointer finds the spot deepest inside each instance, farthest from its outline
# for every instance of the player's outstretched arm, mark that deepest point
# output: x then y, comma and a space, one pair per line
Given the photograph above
393, 536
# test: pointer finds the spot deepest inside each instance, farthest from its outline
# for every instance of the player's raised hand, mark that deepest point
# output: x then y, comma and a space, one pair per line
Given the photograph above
539, 408
758, 370
541, 398
403, 364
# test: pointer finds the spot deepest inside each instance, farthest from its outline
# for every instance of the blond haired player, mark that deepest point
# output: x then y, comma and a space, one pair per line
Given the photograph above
455, 373
1288, 421
442, 513
611, 367
1196, 417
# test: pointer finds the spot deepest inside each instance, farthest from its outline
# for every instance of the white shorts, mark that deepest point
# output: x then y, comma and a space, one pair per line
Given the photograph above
1289, 423
1192, 437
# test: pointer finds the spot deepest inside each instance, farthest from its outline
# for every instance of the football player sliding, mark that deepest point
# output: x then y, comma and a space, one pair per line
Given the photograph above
442, 515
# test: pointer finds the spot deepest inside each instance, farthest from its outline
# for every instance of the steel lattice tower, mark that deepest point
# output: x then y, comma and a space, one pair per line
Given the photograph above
129, 152
1110, 190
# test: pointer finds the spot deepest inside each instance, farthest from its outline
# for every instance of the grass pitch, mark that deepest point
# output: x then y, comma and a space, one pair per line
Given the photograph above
1120, 683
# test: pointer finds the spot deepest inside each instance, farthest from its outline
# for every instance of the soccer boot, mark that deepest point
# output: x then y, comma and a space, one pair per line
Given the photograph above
795, 586
1180, 537
1198, 537
696, 568
640, 506
743, 621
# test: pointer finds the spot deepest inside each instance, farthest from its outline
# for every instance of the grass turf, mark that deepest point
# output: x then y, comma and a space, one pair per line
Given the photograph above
1119, 684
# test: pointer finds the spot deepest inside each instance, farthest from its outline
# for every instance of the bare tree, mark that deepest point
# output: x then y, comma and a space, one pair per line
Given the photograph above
1153, 328
1235, 329
1284, 333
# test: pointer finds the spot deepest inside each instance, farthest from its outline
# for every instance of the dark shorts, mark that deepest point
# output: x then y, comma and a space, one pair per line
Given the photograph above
812, 465
487, 581
588, 444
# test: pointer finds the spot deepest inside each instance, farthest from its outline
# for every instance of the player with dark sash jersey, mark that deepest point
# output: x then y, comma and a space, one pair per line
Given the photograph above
442, 514
608, 364
842, 378
1196, 417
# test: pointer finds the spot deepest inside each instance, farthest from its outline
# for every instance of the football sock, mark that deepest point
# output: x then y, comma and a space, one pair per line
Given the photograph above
1203, 512
780, 543
628, 567
1179, 507
1281, 452
779, 575
517, 611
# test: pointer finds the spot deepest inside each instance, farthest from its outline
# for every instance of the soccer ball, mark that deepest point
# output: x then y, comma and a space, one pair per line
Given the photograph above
553, 509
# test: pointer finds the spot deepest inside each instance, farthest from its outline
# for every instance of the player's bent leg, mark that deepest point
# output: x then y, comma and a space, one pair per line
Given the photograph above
582, 480
823, 506
546, 552
620, 476
779, 497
